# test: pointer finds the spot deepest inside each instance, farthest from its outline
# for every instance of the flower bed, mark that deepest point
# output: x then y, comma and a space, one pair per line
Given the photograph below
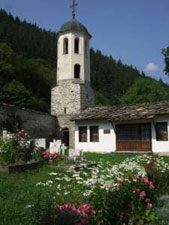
125, 193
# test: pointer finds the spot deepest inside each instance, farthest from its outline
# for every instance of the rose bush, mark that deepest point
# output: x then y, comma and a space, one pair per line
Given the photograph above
54, 157
68, 214
18, 148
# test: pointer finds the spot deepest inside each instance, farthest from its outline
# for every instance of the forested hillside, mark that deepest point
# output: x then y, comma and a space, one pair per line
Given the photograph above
28, 63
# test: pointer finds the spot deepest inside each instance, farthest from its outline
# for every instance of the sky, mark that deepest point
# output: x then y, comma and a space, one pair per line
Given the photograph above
133, 31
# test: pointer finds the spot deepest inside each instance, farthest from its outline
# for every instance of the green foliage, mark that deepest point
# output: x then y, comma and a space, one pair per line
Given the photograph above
145, 90
26, 38
100, 100
15, 93
165, 52
23, 201
20, 78
31, 59
18, 148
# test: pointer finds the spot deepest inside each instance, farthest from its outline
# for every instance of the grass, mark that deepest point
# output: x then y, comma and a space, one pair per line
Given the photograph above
19, 191
112, 158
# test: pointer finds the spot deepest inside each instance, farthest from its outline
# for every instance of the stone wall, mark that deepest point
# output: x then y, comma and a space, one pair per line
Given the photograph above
65, 122
71, 97
36, 124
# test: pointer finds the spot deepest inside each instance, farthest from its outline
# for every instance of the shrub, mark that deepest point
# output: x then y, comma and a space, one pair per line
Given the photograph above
53, 157
17, 148
68, 214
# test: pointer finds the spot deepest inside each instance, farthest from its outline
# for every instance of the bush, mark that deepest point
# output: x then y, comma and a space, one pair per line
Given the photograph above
18, 148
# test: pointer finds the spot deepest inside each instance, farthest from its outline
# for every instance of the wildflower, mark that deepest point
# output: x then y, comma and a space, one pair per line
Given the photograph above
149, 206
28, 206
142, 194
136, 190
145, 180
151, 185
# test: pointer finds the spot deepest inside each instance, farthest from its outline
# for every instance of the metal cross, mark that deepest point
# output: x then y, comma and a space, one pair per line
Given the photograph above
74, 4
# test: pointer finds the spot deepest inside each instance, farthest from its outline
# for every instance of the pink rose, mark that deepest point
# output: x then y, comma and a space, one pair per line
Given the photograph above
145, 180
151, 185
136, 190
142, 194
149, 206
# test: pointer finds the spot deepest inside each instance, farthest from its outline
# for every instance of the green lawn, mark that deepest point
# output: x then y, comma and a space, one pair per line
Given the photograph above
20, 191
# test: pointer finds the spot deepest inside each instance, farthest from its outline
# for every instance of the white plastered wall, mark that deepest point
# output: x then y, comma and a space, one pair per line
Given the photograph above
160, 146
66, 62
106, 141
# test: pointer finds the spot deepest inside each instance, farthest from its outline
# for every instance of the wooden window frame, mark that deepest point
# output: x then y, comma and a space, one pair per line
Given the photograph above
81, 138
160, 135
133, 132
94, 137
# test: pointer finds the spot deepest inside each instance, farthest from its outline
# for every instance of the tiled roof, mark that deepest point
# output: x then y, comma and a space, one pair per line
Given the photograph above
125, 112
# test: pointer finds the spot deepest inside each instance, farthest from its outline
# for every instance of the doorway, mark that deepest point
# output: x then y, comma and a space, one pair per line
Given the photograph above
65, 136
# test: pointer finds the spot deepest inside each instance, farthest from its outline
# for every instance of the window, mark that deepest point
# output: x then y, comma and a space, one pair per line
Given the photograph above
65, 46
77, 71
136, 132
65, 110
82, 134
106, 131
161, 131
145, 132
77, 45
94, 134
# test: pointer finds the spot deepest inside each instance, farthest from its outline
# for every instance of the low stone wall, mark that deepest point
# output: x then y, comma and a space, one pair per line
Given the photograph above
36, 124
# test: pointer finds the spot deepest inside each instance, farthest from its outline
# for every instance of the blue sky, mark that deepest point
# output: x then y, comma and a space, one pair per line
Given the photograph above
134, 31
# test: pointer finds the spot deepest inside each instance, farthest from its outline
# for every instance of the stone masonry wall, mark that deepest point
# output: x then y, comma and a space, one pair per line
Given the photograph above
36, 124
71, 97
65, 122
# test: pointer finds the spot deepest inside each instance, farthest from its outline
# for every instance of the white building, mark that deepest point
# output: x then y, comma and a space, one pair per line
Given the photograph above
132, 128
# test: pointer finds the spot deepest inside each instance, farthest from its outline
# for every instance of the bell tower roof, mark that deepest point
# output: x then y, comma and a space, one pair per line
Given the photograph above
74, 25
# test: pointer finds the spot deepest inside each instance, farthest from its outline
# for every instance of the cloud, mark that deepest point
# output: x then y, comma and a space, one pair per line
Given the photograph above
151, 67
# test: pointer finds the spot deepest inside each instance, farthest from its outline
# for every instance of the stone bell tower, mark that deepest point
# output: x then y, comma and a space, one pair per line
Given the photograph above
73, 92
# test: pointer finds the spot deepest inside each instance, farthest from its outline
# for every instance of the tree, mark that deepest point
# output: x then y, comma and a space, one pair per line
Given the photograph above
6, 68
100, 100
145, 90
16, 94
165, 52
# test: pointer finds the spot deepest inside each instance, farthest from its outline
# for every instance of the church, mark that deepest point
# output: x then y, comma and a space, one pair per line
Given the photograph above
132, 128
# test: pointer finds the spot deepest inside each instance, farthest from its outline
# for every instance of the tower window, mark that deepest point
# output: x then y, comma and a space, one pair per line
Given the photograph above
77, 45
65, 46
77, 71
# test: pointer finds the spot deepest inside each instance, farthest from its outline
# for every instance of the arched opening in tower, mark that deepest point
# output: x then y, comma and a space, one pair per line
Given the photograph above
77, 45
65, 46
77, 71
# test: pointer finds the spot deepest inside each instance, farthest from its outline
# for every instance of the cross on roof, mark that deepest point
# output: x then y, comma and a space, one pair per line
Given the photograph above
73, 6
